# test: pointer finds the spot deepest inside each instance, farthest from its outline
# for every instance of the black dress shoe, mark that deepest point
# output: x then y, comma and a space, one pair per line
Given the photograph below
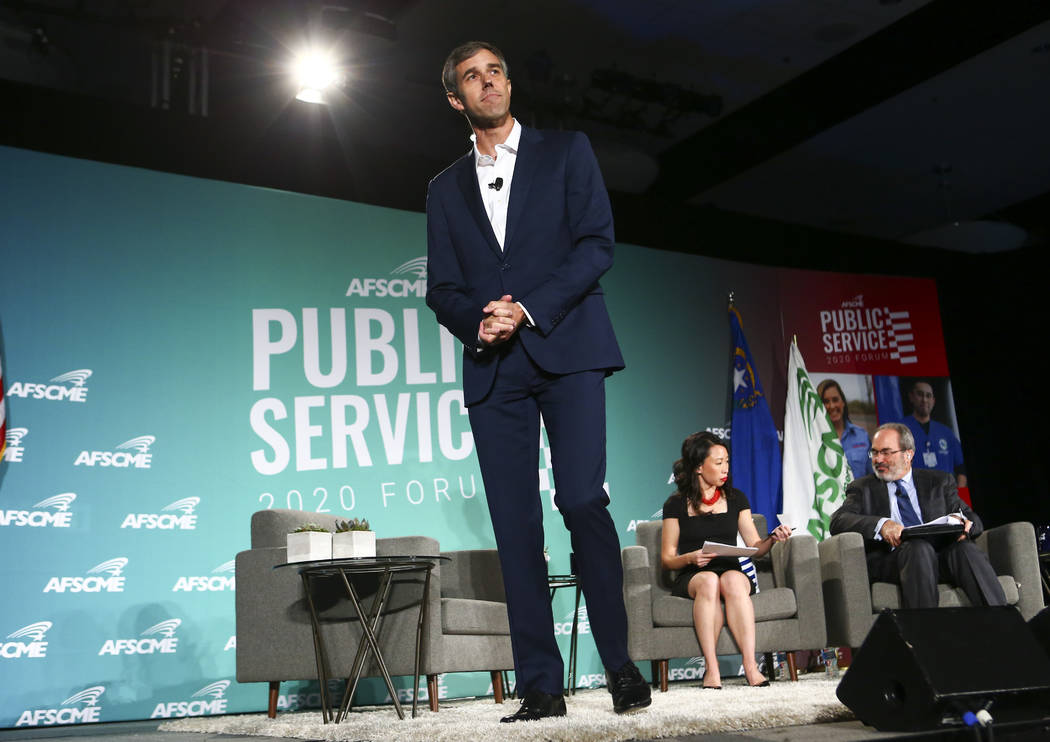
537, 705
629, 690
763, 684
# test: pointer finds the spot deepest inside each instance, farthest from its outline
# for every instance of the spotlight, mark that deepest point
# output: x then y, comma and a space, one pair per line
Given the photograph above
315, 72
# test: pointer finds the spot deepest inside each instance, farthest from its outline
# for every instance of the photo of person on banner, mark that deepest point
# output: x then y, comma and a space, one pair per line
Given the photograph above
936, 445
854, 438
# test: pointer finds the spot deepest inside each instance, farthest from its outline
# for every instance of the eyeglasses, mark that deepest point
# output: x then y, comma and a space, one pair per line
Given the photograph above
882, 452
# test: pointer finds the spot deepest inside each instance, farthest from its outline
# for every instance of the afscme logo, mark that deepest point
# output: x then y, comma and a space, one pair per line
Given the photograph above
583, 623
220, 580
168, 518
633, 525
217, 705
591, 680
18, 648
15, 435
89, 711
59, 517
694, 668
414, 285
114, 583
56, 390
160, 639
404, 695
122, 457
58, 502
14, 450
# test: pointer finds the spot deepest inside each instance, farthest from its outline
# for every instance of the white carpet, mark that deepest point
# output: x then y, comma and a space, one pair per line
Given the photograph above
682, 710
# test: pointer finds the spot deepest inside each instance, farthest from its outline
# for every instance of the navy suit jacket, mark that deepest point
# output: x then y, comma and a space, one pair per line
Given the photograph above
558, 243
868, 501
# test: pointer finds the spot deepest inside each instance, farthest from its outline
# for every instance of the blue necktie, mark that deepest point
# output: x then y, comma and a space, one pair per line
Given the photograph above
908, 515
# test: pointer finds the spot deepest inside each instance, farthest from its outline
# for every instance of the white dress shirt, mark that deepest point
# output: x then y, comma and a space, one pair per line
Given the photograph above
501, 166
496, 200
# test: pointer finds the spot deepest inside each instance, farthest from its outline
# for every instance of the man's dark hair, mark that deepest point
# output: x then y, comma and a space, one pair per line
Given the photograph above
462, 53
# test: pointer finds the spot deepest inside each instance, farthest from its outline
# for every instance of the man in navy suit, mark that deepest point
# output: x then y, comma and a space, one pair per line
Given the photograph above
880, 506
519, 230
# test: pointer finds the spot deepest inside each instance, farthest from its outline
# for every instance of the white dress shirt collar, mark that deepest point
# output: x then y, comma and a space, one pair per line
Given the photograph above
510, 144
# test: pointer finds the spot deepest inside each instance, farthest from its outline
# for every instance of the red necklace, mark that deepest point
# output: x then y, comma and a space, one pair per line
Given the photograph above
713, 500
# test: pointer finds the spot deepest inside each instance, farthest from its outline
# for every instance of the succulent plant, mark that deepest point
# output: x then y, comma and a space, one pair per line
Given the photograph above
309, 527
354, 524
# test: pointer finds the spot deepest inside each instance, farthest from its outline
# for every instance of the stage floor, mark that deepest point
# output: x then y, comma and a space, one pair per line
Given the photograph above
845, 731
146, 731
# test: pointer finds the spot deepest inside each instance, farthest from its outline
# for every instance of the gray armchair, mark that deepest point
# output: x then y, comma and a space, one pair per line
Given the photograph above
852, 602
789, 608
466, 626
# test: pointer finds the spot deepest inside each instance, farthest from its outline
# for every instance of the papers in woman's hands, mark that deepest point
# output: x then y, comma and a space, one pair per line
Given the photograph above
713, 547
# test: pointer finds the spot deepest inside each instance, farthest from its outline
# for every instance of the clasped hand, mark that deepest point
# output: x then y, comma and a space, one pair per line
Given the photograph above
503, 320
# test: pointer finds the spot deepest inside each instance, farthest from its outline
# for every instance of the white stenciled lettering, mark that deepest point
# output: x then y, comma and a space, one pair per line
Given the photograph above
52, 392
36, 518
160, 521
20, 650
204, 584
439, 489
188, 708
85, 585
312, 348
383, 287
263, 347
167, 645
69, 715
369, 346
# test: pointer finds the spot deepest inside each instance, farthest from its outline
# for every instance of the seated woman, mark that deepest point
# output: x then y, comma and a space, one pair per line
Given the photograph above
707, 508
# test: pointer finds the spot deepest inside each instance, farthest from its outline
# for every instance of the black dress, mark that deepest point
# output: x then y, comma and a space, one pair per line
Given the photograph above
694, 530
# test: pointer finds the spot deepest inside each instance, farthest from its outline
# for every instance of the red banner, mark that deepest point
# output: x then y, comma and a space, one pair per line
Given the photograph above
880, 325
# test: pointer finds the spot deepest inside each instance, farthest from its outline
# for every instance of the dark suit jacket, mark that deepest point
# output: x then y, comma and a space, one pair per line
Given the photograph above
868, 501
559, 241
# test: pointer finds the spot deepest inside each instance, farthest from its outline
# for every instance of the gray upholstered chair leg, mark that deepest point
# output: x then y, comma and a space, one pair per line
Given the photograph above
497, 685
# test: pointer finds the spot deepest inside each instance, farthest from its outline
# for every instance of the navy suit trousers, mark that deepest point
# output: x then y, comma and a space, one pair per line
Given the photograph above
506, 427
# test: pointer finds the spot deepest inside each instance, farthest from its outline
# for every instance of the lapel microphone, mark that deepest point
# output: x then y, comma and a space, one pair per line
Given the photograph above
496, 184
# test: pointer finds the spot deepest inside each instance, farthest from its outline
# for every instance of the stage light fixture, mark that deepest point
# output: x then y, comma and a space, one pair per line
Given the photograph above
316, 72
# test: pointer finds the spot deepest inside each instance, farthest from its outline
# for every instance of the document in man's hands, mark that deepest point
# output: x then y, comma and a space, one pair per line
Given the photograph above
952, 519
940, 531
713, 547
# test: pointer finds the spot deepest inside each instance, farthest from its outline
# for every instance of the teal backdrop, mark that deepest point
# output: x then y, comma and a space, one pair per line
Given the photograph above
179, 353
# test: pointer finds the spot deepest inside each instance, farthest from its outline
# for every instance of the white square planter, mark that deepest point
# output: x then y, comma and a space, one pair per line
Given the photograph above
353, 544
308, 546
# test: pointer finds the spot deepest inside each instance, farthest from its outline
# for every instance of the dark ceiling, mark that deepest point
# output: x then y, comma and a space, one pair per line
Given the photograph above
886, 119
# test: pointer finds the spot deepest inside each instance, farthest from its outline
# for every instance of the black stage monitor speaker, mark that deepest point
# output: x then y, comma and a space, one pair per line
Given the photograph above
921, 668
